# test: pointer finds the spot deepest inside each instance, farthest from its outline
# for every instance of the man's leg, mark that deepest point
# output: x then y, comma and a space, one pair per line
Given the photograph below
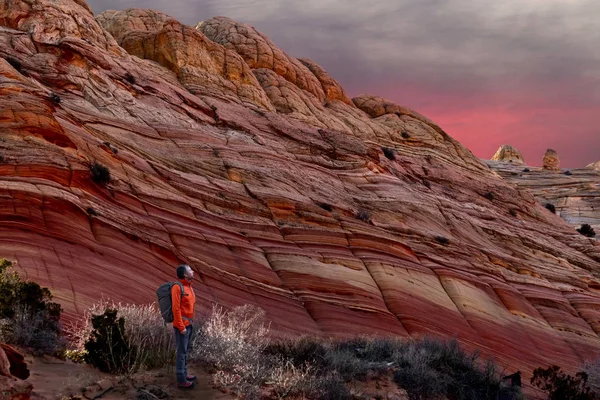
188, 333
181, 345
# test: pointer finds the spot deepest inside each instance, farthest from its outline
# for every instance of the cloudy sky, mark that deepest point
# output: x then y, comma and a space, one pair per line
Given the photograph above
519, 72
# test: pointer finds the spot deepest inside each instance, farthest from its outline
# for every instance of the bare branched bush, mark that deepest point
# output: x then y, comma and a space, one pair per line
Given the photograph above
33, 331
230, 338
28, 317
288, 380
233, 342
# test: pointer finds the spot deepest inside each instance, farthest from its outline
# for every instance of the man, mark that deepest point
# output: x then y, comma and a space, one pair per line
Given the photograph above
183, 312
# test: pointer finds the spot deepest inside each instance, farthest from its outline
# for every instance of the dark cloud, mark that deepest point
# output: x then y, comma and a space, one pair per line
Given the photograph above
534, 64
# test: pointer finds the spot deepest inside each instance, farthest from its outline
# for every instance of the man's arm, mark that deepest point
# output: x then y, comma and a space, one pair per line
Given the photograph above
176, 301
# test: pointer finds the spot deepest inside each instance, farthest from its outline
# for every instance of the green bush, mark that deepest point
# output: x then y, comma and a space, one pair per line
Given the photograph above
107, 347
28, 317
561, 386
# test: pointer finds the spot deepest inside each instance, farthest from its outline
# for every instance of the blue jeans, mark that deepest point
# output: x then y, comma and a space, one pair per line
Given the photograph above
182, 342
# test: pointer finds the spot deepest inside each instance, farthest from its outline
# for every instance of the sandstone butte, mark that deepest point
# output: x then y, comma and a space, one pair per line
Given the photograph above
252, 166
575, 193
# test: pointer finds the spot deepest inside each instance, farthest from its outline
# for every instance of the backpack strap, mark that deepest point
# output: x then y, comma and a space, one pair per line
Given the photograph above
181, 286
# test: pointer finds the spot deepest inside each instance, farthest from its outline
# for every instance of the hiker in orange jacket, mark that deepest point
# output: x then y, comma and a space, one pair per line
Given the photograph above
183, 313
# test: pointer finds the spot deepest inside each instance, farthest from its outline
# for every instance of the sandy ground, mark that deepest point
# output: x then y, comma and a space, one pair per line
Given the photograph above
56, 379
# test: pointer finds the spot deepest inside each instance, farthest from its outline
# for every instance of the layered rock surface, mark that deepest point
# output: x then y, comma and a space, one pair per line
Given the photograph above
260, 193
575, 193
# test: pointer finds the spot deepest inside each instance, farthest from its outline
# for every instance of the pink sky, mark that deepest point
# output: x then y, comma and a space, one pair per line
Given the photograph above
518, 72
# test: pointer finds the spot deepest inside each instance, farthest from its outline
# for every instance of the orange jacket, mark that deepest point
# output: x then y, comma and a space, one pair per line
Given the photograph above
182, 307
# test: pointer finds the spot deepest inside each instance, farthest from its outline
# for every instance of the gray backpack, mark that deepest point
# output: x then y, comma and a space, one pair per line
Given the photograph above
165, 303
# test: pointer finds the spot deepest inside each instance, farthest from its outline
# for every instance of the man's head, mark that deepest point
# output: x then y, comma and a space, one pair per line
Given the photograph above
184, 271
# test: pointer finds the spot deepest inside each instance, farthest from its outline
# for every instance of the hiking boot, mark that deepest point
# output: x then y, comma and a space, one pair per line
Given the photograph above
186, 385
190, 378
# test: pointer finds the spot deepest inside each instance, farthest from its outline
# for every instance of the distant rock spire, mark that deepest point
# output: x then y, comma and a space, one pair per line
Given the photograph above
595, 165
509, 154
551, 161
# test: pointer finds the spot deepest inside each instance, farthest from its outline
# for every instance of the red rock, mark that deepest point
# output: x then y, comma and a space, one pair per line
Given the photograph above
260, 52
332, 88
260, 194
4, 363
12, 366
202, 66
18, 366
13, 389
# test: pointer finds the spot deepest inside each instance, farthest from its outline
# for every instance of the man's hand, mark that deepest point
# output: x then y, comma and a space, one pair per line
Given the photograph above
183, 331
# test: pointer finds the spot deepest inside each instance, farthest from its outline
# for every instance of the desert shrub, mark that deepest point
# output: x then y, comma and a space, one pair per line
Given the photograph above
513, 212
550, 207
16, 64
442, 240
347, 365
405, 135
326, 206
130, 78
363, 215
111, 147
54, 98
143, 331
490, 196
526, 170
91, 211
431, 368
592, 369
107, 348
100, 174
390, 154
380, 349
288, 380
233, 343
2, 159
299, 351
561, 386
28, 317
146, 331
568, 173
587, 230
328, 386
